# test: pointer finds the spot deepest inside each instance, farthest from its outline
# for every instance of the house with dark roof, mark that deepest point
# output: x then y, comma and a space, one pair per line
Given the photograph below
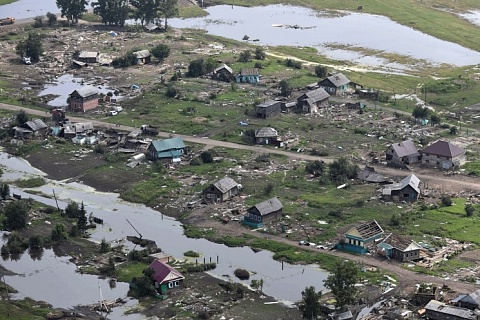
400, 248
404, 152
83, 99
222, 190
266, 135
263, 212
443, 154
166, 277
470, 301
311, 101
169, 149
268, 109
368, 174
30, 129
336, 84
361, 239
408, 189
437, 310
223, 73
248, 75
88, 56
143, 56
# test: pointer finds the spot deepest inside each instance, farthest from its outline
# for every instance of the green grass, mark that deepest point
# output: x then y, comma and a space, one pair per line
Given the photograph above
191, 12
126, 271
472, 168
30, 183
23, 309
2, 2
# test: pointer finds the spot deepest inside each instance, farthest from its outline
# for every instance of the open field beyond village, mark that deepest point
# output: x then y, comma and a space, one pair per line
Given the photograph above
280, 149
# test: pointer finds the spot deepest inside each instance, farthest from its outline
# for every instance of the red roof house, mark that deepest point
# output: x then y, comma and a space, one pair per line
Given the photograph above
166, 277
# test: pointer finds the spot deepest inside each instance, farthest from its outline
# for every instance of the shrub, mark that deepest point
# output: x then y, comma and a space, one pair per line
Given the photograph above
446, 201
242, 274
104, 246
191, 253
206, 157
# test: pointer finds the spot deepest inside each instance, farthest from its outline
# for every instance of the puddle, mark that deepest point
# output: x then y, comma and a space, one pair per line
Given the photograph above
472, 16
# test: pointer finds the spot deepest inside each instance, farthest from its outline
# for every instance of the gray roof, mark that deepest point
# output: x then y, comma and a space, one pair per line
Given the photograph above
250, 72
168, 144
86, 91
83, 126
223, 66
268, 206
370, 175
405, 148
36, 124
446, 309
444, 149
266, 132
142, 54
225, 184
410, 180
338, 80
316, 95
268, 103
472, 298
87, 54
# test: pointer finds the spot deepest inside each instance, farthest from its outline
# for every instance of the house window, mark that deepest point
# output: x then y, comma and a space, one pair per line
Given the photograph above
170, 285
176, 283
405, 195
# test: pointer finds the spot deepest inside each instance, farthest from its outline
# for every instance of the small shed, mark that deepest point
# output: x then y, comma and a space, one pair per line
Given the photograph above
223, 73
222, 190
248, 75
263, 212
143, 56
408, 189
268, 109
266, 135
437, 310
88, 56
470, 301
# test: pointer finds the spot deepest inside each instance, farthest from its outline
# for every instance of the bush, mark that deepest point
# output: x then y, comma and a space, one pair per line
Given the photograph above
172, 92
446, 201
293, 63
104, 246
59, 232
206, 157
242, 274
245, 56
35, 242
321, 71
16, 214
191, 253
268, 189
52, 18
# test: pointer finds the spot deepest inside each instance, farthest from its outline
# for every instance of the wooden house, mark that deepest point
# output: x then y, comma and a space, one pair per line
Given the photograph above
143, 56
88, 57
336, 84
401, 153
400, 248
222, 190
166, 277
361, 239
263, 212
443, 154
408, 189
169, 149
436, 310
83, 99
470, 301
288, 106
268, 109
311, 101
248, 75
223, 73
30, 129
267, 135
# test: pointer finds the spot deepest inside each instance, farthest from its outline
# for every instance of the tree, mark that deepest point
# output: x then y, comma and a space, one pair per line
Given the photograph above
259, 54
310, 304
147, 11
35, 241
446, 201
72, 210
38, 22
285, 89
72, 9
342, 169
104, 246
196, 68
245, 56
206, 157
31, 47
112, 12
435, 118
52, 18
16, 215
342, 283
169, 9
59, 232
161, 51
4, 191
316, 168
22, 117
321, 71
469, 209
82, 219
453, 130
420, 112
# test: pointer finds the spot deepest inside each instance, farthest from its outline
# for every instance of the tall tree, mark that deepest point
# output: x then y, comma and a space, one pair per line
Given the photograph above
4, 191
161, 51
82, 219
310, 304
16, 214
342, 169
113, 12
342, 283
145, 10
72, 9
31, 47
169, 9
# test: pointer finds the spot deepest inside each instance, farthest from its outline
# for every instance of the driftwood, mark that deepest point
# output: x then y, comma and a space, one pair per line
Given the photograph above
141, 242
60, 314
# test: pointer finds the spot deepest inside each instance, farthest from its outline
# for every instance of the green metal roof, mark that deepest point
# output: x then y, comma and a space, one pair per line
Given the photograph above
168, 144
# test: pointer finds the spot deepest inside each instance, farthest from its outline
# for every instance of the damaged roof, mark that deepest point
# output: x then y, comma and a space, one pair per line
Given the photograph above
266, 132
225, 184
370, 175
401, 243
316, 95
337, 80
440, 307
268, 206
367, 230
87, 54
142, 54
223, 66
405, 148
472, 298
36, 124
168, 144
267, 103
250, 72
444, 149
410, 180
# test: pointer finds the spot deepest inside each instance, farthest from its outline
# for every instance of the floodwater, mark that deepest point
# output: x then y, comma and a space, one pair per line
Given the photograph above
64, 85
472, 16
23, 9
351, 29
285, 285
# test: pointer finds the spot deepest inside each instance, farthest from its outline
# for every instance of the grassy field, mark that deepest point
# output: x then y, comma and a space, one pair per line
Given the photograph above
2, 2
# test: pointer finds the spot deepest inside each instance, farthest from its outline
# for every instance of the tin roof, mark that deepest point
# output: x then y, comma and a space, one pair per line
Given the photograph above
223, 66
266, 132
36, 124
168, 144
142, 54
87, 54
410, 180
249, 72
225, 184
440, 307
267, 103
318, 94
472, 298
444, 149
86, 91
268, 206
338, 80
164, 273
367, 230
405, 148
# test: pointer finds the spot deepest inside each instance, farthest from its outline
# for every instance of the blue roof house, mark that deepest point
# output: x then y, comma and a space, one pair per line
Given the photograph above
168, 149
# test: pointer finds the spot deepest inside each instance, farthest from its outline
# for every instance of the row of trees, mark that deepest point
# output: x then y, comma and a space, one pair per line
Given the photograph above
116, 12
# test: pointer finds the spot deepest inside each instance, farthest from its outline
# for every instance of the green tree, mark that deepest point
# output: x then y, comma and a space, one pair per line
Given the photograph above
435, 118
197, 68
4, 191
22, 117
259, 54
51, 18
420, 112
342, 283
169, 9
469, 209
59, 232
38, 22
112, 12
206, 157
321, 71
31, 47
161, 51
104, 246
72, 210
72, 9
342, 169
245, 56
453, 130
147, 11
285, 89
35, 241
144, 285
82, 219
310, 304
317, 168
16, 215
